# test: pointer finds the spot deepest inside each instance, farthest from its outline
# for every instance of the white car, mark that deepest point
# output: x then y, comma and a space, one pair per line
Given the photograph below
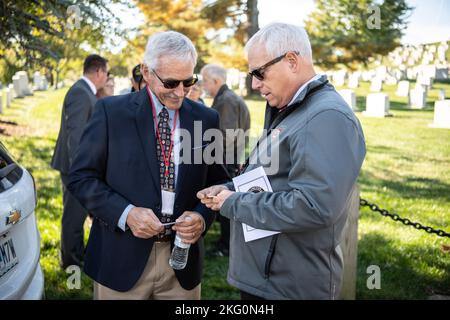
20, 271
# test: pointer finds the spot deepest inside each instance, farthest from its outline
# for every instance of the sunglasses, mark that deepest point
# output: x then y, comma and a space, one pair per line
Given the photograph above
172, 84
258, 73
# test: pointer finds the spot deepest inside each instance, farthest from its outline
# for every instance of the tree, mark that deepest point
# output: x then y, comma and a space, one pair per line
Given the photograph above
50, 33
343, 32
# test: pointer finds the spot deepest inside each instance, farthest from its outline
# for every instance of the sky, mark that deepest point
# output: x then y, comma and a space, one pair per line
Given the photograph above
428, 22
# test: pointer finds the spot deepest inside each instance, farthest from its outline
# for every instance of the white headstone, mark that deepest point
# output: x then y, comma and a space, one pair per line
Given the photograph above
441, 94
8, 94
377, 105
353, 80
17, 87
376, 85
402, 89
349, 96
441, 114
24, 83
339, 78
418, 98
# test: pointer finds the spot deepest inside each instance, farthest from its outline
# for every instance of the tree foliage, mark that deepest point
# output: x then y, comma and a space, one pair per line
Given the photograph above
46, 33
341, 32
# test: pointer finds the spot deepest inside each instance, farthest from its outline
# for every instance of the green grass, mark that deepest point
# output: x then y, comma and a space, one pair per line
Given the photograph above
406, 171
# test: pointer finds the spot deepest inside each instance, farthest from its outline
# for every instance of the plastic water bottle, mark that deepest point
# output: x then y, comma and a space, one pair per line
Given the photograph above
179, 256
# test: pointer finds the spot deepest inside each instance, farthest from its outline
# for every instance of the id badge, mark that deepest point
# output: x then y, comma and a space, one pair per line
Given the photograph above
168, 202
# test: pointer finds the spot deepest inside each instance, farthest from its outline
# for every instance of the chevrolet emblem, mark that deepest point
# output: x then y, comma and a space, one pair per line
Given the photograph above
14, 217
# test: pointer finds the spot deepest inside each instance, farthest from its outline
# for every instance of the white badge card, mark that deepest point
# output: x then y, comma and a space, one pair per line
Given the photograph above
168, 202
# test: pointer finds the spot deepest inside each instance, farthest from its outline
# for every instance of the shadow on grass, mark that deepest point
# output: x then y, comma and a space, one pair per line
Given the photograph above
407, 271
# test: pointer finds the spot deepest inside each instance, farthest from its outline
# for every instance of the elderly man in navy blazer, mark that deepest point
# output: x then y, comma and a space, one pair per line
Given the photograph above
127, 175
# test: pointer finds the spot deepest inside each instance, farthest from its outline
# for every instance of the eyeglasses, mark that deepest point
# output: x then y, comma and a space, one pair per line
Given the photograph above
172, 84
259, 72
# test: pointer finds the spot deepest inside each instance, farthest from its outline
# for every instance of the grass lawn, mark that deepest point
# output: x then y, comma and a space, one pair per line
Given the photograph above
406, 171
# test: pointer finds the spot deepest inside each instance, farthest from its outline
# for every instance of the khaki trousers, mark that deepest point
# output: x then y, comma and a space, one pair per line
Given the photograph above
157, 282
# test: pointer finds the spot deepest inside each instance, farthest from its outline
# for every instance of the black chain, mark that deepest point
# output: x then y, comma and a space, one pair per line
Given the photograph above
405, 221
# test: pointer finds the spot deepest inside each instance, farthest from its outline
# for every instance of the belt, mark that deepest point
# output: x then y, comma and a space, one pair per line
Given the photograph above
165, 236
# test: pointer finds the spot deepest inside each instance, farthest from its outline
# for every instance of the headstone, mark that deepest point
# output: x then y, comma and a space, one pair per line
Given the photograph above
377, 105
17, 83
402, 89
8, 94
418, 98
349, 96
424, 81
339, 78
441, 94
24, 83
349, 248
11, 90
376, 85
353, 80
441, 114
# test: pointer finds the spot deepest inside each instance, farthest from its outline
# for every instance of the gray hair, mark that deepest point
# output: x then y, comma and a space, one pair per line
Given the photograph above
169, 43
215, 71
279, 38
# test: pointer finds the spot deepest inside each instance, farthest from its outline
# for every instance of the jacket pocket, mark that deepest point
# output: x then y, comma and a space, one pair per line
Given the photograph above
269, 256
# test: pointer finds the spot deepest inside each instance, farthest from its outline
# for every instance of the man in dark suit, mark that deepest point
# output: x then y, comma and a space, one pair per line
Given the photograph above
234, 115
127, 175
77, 109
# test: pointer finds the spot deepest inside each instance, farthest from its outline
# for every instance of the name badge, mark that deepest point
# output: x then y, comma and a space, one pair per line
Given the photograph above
168, 202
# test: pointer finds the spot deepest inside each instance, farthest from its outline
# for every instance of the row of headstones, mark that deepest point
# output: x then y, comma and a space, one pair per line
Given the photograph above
425, 54
377, 105
424, 75
20, 87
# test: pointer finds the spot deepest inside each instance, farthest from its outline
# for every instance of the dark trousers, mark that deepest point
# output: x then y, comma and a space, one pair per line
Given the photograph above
224, 239
72, 231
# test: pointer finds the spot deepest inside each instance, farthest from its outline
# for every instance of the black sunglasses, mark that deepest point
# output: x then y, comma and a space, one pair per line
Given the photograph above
172, 84
258, 73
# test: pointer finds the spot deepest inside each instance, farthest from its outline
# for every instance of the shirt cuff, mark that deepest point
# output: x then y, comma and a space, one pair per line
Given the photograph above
122, 224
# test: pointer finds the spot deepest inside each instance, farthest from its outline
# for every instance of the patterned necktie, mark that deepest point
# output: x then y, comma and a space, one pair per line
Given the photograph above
165, 133
167, 183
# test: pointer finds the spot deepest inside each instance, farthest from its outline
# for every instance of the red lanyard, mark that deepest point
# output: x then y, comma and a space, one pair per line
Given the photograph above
163, 150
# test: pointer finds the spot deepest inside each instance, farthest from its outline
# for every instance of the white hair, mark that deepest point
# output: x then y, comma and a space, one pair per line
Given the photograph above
169, 43
215, 71
279, 38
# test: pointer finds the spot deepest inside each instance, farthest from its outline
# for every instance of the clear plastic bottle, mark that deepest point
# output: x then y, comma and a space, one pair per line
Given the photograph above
179, 256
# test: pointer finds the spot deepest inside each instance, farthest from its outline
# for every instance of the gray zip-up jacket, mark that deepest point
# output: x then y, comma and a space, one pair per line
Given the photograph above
317, 151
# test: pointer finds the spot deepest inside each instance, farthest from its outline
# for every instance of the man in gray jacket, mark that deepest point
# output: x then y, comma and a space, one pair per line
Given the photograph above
234, 116
317, 150
77, 109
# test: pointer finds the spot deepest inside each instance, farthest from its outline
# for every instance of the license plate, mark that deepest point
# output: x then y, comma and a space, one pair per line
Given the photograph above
8, 256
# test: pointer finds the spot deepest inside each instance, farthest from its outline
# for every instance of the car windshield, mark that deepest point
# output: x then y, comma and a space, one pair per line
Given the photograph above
10, 172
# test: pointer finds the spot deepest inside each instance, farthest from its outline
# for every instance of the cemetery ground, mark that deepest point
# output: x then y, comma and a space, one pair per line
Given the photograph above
406, 171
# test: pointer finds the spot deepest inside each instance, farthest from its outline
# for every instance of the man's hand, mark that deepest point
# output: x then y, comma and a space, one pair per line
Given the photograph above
207, 195
143, 223
189, 226
220, 199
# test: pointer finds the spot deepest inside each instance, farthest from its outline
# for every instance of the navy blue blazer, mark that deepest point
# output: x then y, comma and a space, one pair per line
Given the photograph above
116, 165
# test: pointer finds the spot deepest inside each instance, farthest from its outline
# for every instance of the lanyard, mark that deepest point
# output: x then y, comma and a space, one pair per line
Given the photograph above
158, 137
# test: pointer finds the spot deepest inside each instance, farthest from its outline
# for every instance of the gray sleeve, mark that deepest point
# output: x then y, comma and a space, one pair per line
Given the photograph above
77, 112
326, 159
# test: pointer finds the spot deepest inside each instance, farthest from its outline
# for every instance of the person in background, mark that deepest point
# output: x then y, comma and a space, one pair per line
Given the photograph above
234, 115
195, 94
108, 89
77, 109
